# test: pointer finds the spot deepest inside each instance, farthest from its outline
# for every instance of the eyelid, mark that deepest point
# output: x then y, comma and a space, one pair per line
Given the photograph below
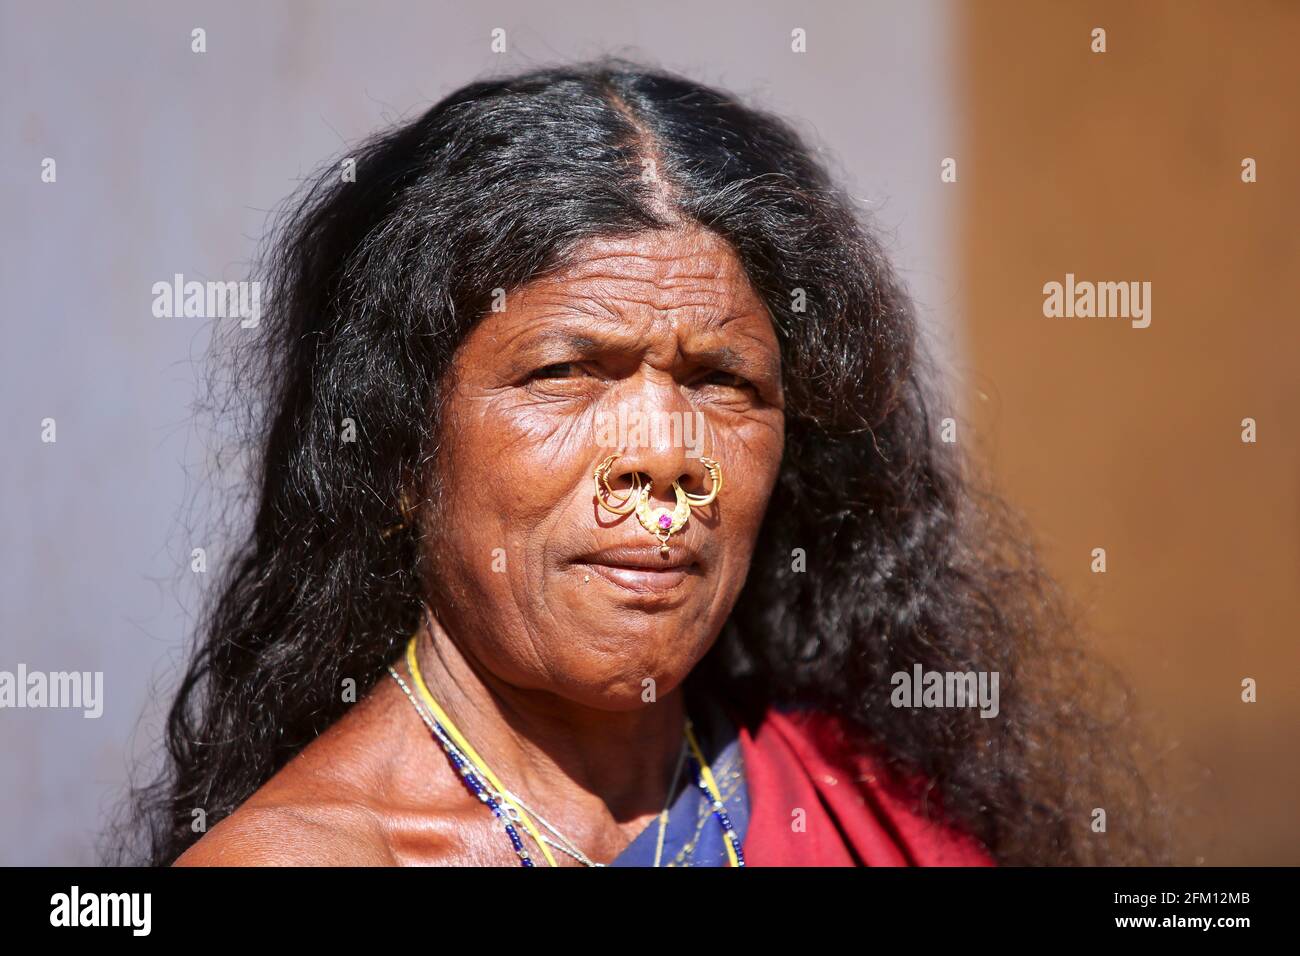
741, 380
550, 365
580, 370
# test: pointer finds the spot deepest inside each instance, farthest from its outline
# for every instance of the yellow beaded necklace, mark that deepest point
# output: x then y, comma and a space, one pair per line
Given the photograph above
517, 811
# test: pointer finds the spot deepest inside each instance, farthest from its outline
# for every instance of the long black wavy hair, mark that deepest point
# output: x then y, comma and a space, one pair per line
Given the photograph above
375, 282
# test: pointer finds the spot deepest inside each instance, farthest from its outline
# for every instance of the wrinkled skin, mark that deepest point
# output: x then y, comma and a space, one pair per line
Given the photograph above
522, 452
543, 659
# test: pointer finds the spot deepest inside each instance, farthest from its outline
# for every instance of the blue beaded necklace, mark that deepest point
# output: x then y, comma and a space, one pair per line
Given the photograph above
477, 781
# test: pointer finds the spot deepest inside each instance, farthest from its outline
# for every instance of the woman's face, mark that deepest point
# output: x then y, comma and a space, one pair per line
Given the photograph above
655, 347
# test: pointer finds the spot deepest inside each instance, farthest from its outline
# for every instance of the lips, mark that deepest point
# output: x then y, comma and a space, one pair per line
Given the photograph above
642, 570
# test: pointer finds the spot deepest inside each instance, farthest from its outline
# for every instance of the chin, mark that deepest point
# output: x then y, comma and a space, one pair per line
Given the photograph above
623, 686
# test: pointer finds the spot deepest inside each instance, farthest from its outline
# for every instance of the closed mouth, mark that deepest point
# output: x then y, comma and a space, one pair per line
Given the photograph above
642, 571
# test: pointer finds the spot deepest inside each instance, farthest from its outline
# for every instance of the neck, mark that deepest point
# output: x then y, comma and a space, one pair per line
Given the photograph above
593, 773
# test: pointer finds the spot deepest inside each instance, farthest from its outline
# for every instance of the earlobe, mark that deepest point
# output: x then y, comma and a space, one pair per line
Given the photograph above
406, 507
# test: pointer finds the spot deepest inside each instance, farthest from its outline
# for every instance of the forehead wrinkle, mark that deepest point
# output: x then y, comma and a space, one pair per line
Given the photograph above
580, 332
710, 271
590, 297
671, 260
587, 332
613, 293
603, 305
652, 291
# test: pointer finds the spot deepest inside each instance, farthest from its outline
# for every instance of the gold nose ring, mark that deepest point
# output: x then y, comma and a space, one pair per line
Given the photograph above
661, 522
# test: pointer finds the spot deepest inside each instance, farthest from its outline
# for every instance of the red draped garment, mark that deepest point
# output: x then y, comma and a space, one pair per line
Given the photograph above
798, 760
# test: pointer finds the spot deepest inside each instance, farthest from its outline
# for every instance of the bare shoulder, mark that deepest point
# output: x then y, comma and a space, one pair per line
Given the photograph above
335, 804
290, 835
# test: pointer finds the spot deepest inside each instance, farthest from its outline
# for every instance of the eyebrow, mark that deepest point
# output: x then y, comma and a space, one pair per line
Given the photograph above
723, 357
583, 345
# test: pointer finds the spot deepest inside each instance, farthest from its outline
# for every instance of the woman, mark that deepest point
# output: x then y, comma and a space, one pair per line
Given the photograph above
571, 649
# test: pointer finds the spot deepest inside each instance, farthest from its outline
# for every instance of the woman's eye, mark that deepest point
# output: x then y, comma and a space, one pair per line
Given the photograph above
557, 370
729, 379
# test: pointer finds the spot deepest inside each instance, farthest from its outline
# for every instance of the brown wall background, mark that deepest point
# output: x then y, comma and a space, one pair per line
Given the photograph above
1126, 166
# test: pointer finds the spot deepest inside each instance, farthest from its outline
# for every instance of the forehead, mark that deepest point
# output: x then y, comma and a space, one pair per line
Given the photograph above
686, 275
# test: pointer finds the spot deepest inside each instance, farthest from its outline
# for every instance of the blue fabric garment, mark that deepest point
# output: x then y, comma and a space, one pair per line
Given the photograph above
693, 836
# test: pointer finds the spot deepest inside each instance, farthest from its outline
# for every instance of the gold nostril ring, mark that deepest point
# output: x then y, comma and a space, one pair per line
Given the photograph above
715, 476
604, 492
663, 523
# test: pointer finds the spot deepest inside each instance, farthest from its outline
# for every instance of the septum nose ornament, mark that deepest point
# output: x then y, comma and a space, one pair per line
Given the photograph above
661, 522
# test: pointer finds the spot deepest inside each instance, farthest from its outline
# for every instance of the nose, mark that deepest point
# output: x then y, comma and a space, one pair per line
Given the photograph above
666, 454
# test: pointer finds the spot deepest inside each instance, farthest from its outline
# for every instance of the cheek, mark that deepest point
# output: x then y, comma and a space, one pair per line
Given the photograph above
510, 472
750, 471
750, 457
